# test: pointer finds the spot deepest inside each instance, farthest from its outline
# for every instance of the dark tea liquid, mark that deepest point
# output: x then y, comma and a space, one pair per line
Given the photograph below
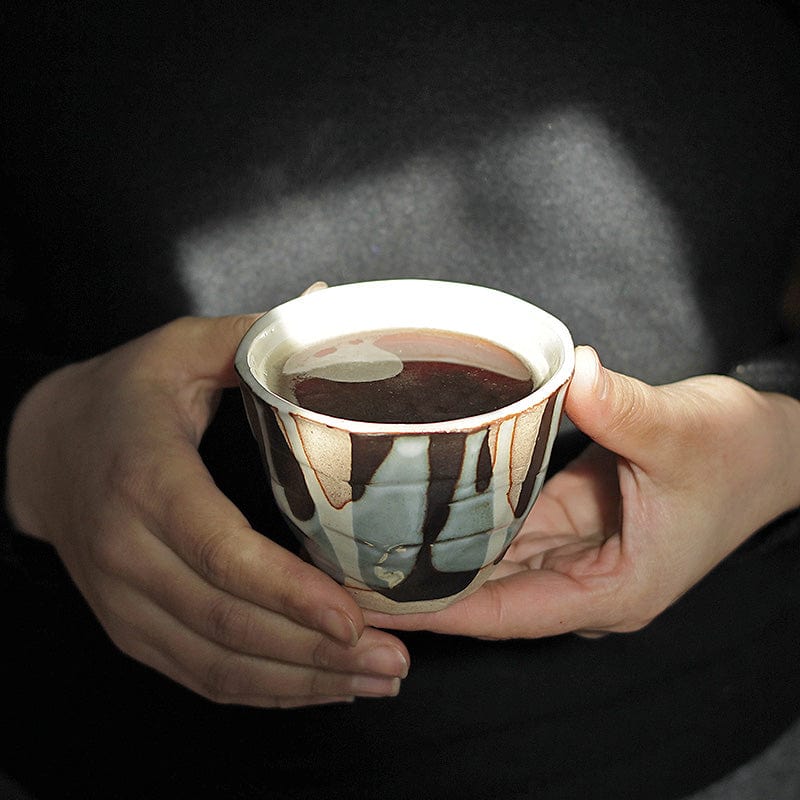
404, 376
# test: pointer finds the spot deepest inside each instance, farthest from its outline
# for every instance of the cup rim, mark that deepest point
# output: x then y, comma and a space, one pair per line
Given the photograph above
548, 388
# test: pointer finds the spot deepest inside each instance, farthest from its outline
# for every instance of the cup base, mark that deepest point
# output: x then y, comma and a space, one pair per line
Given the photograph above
372, 600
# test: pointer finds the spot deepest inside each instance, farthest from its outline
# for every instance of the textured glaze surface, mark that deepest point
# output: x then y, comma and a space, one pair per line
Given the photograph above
408, 516
406, 521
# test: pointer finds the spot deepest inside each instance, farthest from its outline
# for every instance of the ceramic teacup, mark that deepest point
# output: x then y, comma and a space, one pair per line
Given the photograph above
407, 516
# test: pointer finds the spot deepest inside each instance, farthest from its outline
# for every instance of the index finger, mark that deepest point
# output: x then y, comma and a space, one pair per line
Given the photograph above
201, 525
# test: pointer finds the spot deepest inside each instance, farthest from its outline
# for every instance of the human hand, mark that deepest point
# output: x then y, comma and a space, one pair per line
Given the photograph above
103, 463
677, 477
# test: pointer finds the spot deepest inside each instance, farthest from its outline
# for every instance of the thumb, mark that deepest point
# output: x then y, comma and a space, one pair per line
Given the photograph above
207, 345
623, 414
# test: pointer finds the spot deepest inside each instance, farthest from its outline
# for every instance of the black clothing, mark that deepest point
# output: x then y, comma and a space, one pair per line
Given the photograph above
634, 171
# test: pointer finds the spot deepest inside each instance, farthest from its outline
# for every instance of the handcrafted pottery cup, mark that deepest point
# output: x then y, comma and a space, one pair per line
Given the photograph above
408, 517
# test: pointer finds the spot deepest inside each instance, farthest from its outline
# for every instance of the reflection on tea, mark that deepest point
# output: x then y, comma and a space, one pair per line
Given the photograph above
403, 376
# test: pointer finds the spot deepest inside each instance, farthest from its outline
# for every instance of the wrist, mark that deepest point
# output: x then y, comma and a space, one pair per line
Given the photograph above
776, 371
785, 413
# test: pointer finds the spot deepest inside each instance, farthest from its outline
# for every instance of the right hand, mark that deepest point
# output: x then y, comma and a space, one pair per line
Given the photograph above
677, 478
103, 463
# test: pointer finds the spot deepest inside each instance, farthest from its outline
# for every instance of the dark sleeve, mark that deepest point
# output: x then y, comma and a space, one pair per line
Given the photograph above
775, 371
25, 355
778, 368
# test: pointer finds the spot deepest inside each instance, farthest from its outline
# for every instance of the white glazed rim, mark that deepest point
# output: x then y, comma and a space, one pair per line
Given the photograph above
311, 303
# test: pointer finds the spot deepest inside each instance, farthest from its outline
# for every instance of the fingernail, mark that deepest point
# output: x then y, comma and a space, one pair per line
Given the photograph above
339, 626
368, 686
600, 382
384, 660
319, 701
315, 287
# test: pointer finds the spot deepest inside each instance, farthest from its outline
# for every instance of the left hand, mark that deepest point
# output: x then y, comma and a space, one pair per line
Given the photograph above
103, 463
677, 477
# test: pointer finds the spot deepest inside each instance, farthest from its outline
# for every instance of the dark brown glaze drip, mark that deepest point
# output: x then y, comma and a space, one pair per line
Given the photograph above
483, 472
250, 409
425, 582
537, 458
287, 470
368, 452
252, 418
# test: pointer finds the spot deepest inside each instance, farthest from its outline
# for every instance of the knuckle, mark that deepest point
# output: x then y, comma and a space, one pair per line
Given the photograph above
139, 649
219, 681
110, 551
127, 476
283, 598
323, 655
107, 552
291, 590
215, 560
119, 633
229, 622
135, 641
631, 405
500, 613
319, 683
110, 547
